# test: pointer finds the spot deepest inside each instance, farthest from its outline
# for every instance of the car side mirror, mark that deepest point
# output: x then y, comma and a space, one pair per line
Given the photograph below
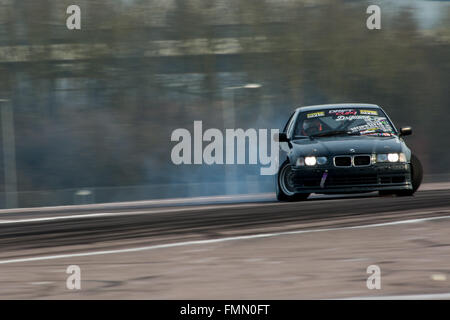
282, 137
406, 131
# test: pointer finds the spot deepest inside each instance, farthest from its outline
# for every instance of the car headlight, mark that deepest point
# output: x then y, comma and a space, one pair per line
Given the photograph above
311, 161
391, 157
322, 160
382, 157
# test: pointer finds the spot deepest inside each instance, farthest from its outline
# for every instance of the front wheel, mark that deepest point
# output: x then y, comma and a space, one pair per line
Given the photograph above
285, 185
416, 179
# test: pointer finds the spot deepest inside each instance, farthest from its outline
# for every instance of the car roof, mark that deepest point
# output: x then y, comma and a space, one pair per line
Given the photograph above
338, 105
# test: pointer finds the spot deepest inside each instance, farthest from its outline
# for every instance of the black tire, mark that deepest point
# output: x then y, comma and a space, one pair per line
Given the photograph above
416, 180
284, 192
416, 177
416, 172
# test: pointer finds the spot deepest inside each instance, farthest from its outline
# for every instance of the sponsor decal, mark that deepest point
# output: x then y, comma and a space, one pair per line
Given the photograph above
343, 118
343, 112
315, 114
386, 134
364, 127
369, 112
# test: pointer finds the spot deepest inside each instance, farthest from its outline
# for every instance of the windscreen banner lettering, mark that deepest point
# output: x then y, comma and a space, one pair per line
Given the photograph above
315, 114
343, 112
369, 112
343, 118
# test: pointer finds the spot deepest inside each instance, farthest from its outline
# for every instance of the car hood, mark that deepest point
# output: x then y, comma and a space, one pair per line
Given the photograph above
341, 145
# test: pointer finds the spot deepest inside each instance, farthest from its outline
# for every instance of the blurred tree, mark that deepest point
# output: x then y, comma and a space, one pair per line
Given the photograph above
96, 107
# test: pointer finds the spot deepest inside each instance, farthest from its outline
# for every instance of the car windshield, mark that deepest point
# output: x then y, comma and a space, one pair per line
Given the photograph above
351, 121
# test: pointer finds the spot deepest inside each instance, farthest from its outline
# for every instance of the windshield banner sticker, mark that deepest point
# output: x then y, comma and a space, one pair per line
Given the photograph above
369, 112
343, 118
315, 114
343, 112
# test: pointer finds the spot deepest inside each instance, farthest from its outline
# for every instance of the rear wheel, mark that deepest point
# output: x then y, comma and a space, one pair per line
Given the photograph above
285, 185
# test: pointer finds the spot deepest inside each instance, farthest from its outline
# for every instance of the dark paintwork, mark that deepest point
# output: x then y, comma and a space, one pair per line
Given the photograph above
342, 145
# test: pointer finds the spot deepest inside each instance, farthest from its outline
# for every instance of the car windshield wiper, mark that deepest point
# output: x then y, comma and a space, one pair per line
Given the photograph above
330, 133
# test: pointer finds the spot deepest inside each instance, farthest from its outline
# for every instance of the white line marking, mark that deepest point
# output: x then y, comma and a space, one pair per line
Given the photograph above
438, 296
199, 242
162, 202
131, 213
70, 216
194, 200
41, 283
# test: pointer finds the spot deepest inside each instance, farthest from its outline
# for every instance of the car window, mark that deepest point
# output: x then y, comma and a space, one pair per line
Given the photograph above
287, 123
352, 120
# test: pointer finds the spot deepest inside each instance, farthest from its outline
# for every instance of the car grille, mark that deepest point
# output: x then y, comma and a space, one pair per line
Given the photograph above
343, 161
352, 180
340, 180
392, 179
302, 182
360, 161
348, 161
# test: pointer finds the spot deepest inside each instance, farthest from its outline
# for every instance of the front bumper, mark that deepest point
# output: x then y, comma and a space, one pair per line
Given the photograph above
330, 179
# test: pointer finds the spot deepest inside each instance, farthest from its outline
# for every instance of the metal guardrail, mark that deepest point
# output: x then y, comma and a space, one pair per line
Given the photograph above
138, 193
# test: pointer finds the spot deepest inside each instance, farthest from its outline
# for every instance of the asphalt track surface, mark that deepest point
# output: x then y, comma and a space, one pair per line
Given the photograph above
207, 221
54, 233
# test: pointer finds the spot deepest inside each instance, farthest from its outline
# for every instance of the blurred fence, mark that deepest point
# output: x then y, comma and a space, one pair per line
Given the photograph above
80, 196
137, 193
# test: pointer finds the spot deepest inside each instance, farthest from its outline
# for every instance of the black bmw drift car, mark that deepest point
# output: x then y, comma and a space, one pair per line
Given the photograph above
345, 148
